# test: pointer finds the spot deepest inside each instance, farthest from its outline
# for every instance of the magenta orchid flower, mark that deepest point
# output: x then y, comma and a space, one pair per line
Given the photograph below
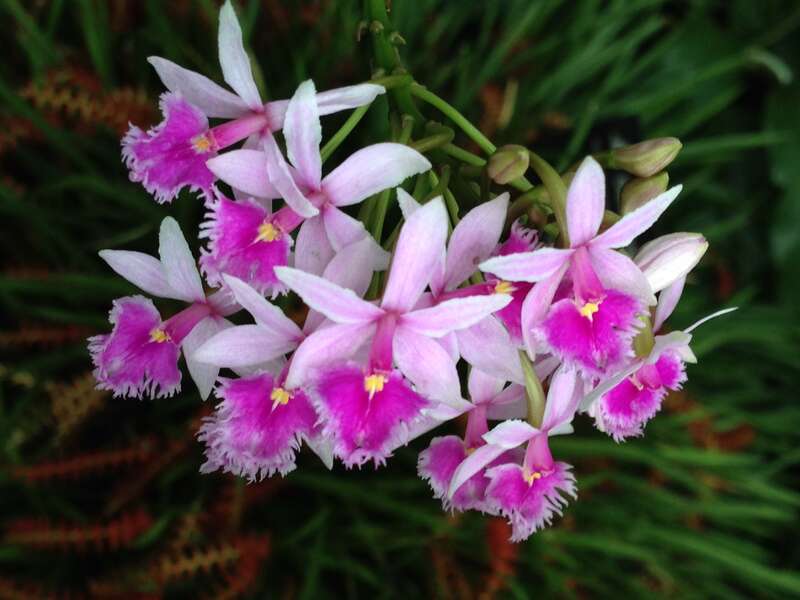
313, 203
173, 154
140, 356
529, 494
366, 410
590, 326
624, 410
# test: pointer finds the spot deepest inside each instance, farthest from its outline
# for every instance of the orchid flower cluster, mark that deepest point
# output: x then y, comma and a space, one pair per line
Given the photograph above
374, 363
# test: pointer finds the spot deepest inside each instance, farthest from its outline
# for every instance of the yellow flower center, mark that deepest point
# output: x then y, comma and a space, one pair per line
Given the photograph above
374, 383
504, 287
588, 309
267, 232
532, 476
279, 396
201, 143
159, 336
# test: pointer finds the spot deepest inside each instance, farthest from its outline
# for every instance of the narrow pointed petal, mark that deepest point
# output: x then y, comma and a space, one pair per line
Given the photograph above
623, 232
618, 272
372, 170
474, 463
281, 177
562, 399
243, 346
312, 250
667, 301
335, 302
427, 365
142, 270
342, 229
527, 266
536, 305
455, 314
707, 318
223, 303
510, 434
203, 374
303, 133
487, 346
474, 239
407, 203
234, 60
214, 100
324, 347
586, 201
245, 170
345, 98
178, 263
265, 313
419, 249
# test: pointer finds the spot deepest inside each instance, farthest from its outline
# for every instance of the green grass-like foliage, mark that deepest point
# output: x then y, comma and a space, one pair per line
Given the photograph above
704, 506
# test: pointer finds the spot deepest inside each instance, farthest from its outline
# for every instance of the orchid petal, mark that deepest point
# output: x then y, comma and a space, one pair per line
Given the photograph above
243, 346
419, 249
562, 399
323, 448
223, 302
343, 230
281, 177
142, 270
312, 250
623, 232
266, 314
212, 99
510, 434
303, 133
407, 203
234, 60
326, 346
618, 272
474, 239
667, 301
536, 305
474, 463
511, 403
483, 387
674, 340
335, 302
586, 201
488, 347
345, 98
455, 314
427, 365
607, 385
371, 170
203, 374
527, 266
178, 263
244, 170
670, 257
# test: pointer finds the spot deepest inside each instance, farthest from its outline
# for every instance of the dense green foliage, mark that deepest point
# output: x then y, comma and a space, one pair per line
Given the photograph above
705, 505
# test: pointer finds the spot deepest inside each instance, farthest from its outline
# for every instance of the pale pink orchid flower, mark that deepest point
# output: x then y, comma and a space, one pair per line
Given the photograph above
591, 325
367, 409
172, 155
241, 242
140, 356
531, 491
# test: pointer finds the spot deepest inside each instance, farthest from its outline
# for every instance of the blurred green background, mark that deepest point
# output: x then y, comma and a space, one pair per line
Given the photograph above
102, 497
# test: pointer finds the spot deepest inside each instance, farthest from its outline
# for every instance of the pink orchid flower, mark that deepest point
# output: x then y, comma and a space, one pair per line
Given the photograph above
529, 494
624, 410
172, 155
367, 410
140, 356
249, 241
591, 326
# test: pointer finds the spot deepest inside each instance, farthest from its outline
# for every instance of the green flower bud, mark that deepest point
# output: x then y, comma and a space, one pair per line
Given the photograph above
640, 190
508, 163
646, 158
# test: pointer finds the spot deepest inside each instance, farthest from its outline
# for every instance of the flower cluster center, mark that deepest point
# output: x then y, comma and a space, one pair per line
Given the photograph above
267, 232
588, 309
159, 336
279, 396
374, 383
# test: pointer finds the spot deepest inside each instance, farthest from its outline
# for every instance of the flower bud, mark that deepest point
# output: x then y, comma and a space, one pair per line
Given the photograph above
638, 191
646, 158
670, 257
508, 163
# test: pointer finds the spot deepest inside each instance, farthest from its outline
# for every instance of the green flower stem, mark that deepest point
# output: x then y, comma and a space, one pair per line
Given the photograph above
340, 136
536, 196
534, 392
392, 81
379, 217
464, 156
432, 142
645, 340
556, 190
440, 187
